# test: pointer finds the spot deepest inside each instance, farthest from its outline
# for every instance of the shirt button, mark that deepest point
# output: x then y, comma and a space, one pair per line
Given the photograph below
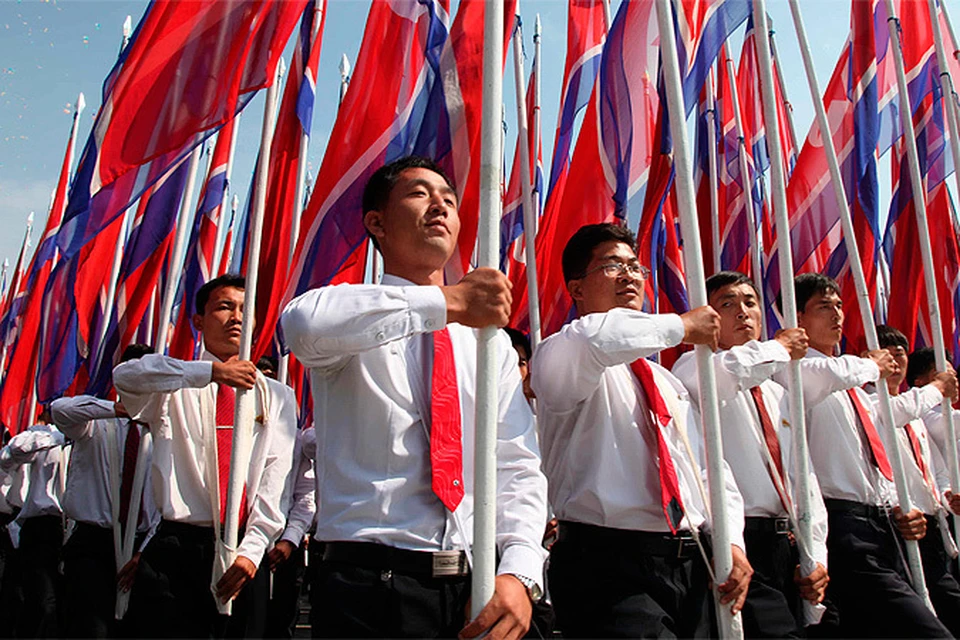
381, 335
456, 483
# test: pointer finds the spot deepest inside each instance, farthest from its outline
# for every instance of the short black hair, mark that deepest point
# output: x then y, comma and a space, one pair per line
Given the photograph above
376, 193
135, 351
889, 336
226, 280
723, 279
268, 363
807, 285
519, 339
920, 363
579, 250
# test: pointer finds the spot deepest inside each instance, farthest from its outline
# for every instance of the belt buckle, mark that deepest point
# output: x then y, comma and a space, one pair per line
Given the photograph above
447, 563
781, 525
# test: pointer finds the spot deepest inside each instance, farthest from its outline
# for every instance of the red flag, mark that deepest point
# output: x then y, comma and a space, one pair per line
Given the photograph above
283, 174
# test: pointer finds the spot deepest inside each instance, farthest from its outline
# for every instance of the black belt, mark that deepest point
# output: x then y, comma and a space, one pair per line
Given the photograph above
370, 555
857, 509
778, 526
651, 543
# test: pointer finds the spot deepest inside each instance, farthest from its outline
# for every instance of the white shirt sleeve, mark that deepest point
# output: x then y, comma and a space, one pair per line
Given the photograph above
912, 404
590, 344
325, 326
521, 485
24, 447
74, 416
266, 520
823, 376
737, 369
302, 508
141, 383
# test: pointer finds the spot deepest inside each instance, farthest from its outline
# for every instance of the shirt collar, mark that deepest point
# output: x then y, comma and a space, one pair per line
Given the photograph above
390, 279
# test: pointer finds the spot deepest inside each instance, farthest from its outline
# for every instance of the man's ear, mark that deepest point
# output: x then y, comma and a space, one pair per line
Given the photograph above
575, 289
197, 322
373, 221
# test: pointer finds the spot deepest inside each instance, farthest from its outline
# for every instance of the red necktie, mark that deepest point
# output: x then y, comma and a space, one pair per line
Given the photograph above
226, 402
669, 485
918, 454
131, 449
876, 445
773, 445
446, 450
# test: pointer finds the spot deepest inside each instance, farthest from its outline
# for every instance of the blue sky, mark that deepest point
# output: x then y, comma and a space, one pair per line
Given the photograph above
50, 51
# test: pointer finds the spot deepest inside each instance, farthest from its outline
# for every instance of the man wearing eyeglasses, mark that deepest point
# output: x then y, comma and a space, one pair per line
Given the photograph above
623, 455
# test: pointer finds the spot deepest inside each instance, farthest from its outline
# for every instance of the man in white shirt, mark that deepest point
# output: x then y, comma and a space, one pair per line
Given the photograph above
867, 571
106, 445
928, 479
622, 451
189, 409
758, 446
393, 374
40, 450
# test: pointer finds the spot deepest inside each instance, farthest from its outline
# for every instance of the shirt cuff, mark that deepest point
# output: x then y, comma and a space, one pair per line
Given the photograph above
671, 328
293, 534
930, 397
428, 307
197, 373
523, 560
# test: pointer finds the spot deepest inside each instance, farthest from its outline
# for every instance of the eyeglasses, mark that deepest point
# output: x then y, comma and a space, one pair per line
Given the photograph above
617, 269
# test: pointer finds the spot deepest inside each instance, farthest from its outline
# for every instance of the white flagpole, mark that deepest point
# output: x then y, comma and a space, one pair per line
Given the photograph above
781, 84
222, 230
81, 105
526, 188
860, 282
298, 203
488, 253
712, 169
18, 275
176, 256
729, 625
950, 107
756, 259
132, 515
245, 406
3, 276
127, 30
234, 206
344, 77
607, 16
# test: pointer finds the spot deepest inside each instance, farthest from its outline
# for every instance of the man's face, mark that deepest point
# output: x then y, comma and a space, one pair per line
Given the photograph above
740, 314
822, 317
599, 290
900, 355
221, 321
420, 222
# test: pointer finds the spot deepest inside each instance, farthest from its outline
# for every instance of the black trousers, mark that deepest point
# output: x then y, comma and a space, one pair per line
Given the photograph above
283, 608
612, 583
172, 598
10, 593
773, 605
41, 539
943, 587
90, 583
351, 601
869, 595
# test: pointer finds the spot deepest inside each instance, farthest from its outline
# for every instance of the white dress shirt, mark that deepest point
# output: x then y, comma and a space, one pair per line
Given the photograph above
738, 370
299, 492
599, 450
177, 399
40, 446
841, 455
371, 361
86, 420
909, 407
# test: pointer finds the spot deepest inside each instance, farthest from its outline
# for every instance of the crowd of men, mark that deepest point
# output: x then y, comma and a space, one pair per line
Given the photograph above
604, 525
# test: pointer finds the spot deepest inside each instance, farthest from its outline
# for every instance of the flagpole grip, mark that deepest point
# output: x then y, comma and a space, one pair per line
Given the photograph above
485, 456
729, 624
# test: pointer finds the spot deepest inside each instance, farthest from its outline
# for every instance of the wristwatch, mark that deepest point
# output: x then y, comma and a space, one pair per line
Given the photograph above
533, 589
